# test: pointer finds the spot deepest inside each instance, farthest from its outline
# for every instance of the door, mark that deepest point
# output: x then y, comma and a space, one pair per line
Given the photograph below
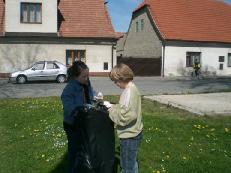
36, 72
51, 71
143, 66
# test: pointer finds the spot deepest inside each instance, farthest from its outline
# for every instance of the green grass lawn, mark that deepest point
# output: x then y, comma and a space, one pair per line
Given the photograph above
175, 141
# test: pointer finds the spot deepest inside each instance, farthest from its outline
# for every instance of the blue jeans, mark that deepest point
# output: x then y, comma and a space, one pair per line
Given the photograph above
128, 154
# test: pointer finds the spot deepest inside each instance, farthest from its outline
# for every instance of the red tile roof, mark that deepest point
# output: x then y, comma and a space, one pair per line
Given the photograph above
119, 34
191, 20
85, 18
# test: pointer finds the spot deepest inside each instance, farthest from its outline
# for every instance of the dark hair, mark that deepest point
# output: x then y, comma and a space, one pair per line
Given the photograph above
76, 69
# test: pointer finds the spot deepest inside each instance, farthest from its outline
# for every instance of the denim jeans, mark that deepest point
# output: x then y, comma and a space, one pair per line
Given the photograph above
128, 154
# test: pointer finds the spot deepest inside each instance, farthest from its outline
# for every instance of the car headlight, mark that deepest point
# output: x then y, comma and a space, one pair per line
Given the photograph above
13, 74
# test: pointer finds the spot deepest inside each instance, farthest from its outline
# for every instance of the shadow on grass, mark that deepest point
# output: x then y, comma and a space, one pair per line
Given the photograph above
62, 167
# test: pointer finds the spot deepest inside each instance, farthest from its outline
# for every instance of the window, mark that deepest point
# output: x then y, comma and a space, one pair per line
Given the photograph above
137, 26
75, 55
192, 57
221, 67
105, 66
140, 25
38, 66
221, 58
31, 12
51, 65
229, 59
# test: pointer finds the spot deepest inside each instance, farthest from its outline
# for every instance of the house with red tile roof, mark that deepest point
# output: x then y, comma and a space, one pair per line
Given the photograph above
61, 30
175, 34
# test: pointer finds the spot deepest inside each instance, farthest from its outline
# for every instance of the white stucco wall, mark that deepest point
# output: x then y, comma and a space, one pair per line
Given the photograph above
96, 56
49, 17
175, 60
15, 57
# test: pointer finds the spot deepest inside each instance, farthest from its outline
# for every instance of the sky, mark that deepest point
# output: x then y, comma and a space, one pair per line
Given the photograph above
121, 12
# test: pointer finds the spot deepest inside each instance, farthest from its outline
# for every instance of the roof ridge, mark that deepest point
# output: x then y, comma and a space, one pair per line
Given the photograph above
197, 20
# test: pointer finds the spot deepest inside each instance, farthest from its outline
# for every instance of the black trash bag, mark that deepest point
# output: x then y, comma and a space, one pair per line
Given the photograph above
96, 144
83, 163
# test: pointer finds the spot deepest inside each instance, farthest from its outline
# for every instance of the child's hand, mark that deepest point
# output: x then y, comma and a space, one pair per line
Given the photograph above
107, 104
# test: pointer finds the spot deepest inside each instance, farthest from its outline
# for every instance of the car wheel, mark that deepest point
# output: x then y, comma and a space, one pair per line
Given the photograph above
21, 79
61, 79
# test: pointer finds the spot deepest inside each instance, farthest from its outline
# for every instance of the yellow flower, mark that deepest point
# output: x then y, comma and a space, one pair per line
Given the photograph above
212, 129
226, 130
157, 171
184, 158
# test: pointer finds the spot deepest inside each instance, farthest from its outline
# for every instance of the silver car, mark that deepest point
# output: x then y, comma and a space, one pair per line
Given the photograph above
42, 70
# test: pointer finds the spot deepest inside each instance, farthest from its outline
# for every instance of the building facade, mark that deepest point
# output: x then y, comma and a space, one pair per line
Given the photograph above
175, 34
56, 30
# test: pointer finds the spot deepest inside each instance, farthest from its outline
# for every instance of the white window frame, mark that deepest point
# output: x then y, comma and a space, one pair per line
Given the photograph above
139, 25
31, 12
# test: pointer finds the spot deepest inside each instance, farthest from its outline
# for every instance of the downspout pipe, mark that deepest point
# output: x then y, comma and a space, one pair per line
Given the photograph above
112, 56
163, 59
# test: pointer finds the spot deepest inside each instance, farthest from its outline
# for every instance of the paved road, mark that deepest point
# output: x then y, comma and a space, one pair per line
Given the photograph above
202, 104
147, 86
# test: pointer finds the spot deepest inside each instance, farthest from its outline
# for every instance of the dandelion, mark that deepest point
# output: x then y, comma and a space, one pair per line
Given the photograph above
212, 129
147, 141
198, 126
226, 130
184, 157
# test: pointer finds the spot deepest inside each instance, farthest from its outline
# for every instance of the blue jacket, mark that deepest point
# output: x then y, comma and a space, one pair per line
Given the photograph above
72, 97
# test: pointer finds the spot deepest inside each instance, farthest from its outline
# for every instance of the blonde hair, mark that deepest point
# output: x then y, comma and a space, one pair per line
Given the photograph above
121, 72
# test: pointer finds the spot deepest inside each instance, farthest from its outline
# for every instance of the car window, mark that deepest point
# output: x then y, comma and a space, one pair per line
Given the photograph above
52, 65
38, 66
